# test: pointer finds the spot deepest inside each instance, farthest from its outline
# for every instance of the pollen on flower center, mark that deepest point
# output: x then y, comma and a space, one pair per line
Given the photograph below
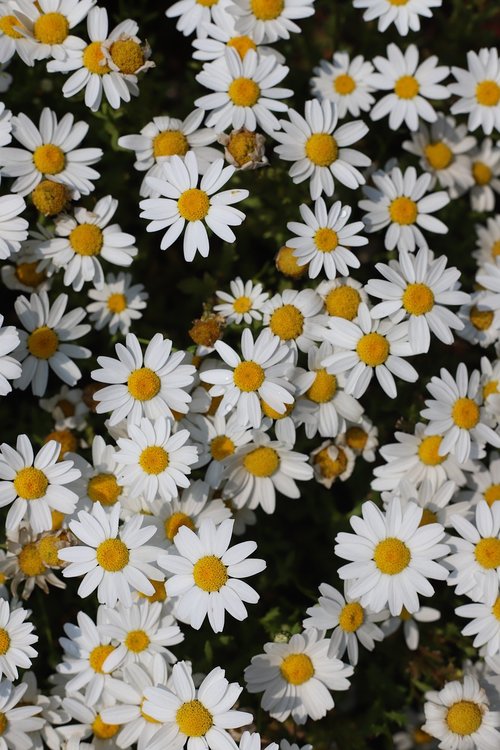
356, 438
272, 413
488, 93
373, 349
221, 447
137, 641
428, 451
465, 413
262, 462
51, 28
170, 143
418, 299
406, 87
49, 159
9, 24
154, 459
343, 302
326, 239
287, 322
491, 494
112, 555
66, 439
438, 154
30, 561
323, 388
94, 59
481, 319
193, 719
102, 730
4, 641
391, 556
86, 239
174, 522
267, 10
242, 305
127, 55
48, 549
27, 274
210, 573
104, 489
398, 2
98, 656
481, 172
244, 92
352, 617
286, 263
193, 204
487, 552
331, 468
43, 342
207, 3
248, 376
297, 669
403, 210
242, 44
143, 384
242, 146
464, 718
116, 303
322, 149
50, 197
30, 483
344, 84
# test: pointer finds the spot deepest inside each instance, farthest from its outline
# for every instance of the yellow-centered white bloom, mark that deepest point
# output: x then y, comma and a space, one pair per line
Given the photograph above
345, 82
479, 90
404, 14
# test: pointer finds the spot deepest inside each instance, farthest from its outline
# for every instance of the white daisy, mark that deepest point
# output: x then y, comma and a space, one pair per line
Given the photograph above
206, 574
149, 384
184, 202
12, 39
98, 481
321, 152
487, 241
361, 438
297, 677
89, 726
243, 304
484, 625
117, 303
485, 163
112, 560
404, 14
17, 721
484, 483
399, 201
245, 91
294, 316
457, 413
12, 227
216, 439
410, 627
244, 149
48, 24
50, 153
16, 639
345, 82
479, 90
67, 408
21, 272
481, 323
10, 368
436, 501
193, 15
331, 461
342, 297
269, 20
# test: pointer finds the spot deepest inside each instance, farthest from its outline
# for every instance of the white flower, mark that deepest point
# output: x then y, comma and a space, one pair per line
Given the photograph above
484, 483
112, 560
149, 384
67, 408
245, 91
35, 484
332, 461
435, 501
410, 627
294, 316
207, 574
479, 90
361, 438
243, 304
50, 152
269, 20
484, 625
16, 639
342, 297
487, 241
297, 677
399, 201
345, 82
485, 163
320, 151
184, 201
216, 439
19, 721
48, 24
10, 368
192, 15
13, 229
481, 323
117, 303
404, 15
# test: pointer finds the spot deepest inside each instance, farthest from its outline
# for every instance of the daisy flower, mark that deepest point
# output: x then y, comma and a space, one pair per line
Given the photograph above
12, 226
217, 439
23, 563
16, 639
361, 438
50, 153
484, 625
345, 82
244, 149
410, 627
297, 677
484, 483
243, 304
404, 15
48, 24
206, 574
117, 303
479, 90
112, 560
47, 341
149, 384
321, 152
81, 240
35, 484
261, 373
19, 721
369, 348
193, 15
420, 288
22, 273
245, 91
457, 413
487, 241
350, 622
399, 202
410, 84
485, 161
10, 368
331, 461
269, 20
342, 297
199, 717
12, 39
459, 716
435, 501
391, 556
90, 725
490, 380
98, 481
481, 323
67, 408
294, 317
324, 239
184, 202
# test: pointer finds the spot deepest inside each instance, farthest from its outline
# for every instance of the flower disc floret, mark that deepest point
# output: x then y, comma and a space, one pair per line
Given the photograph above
94, 59
4, 641
50, 197
86, 239
51, 28
428, 450
244, 92
373, 349
262, 462
488, 93
323, 388
403, 210
112, 555
418, 299
248, 376
221, 447
193, 719
116, 303
30, 561
464, 718
102, 730
49, 159
439, 155
391, 556
297, 669
481, 172
487, 553
352, 617
98, 656
322, 149
104, 488
287, 322
407, 87
154, 459
9, 25
137, 641
143, 384
491, 494
193, 204
267, 10
209, 573
241, 44
326, 239
174, 522
127, 55
43, 342
343, 302
170, 143
465, 413
344, 84
31, 483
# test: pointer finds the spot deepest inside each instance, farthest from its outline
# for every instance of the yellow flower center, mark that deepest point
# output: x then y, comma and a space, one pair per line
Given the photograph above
272, 413
51, 28
48, 548
323, 388
209, 573
490, 388
30, 561
86, 239
241, 44
112, 555
9, 24
207, 3
439, 155
465, 413
137, 641
287, 322
492, 493
127, 55
66, 439
170, 143
104, 489
160, 593
326, 240
373, 349
193, 204
398, 2
43, 342
50, 197
261, 462
406, 87
244, 92
98, 656
94, 59
403, 210
174, 522
143, 384
391, 556
344, 84
242, 305
428, 451
428, 516
242, 146
495, 610
3, 722
286, 263
343, 302
464, 718
487, 552
267, 10
322, 149
488, 93
154, 459
495, 249
49, 159
193, 719
57, 519
418, 299
221, 447
356, 438
102, 730
30, 483
116, 303
27, 274
352, 617
297, 669
481, 319
331, 468
248, 376
481, 172
4, 641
